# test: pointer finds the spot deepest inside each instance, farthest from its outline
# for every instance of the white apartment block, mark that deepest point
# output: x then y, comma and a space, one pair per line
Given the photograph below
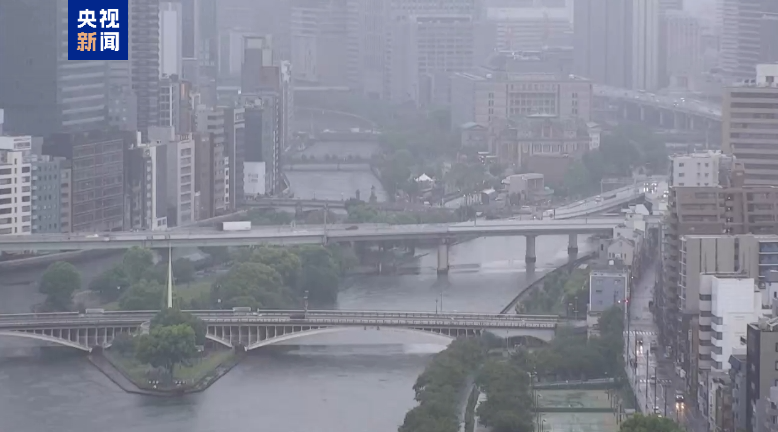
645, 45
15, 185
683, 49
485, 96
696, 169
180, 164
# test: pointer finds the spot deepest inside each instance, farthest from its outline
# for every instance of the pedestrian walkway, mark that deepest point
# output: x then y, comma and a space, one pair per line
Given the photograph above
643, 333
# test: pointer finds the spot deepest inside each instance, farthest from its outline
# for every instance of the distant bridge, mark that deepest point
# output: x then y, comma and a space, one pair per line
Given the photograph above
257, 329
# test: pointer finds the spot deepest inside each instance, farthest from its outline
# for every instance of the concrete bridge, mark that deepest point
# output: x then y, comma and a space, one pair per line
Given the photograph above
266, 327
444, 234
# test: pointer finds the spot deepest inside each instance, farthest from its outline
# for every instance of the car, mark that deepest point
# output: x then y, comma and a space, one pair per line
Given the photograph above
640, 342
652, 379
352, 228
657, 411
679, 399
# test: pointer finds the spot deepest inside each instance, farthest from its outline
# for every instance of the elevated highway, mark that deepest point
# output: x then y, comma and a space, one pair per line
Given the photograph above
616, 198
265, 327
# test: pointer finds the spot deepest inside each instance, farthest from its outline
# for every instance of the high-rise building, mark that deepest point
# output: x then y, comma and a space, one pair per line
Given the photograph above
682, 48
235, 143
178, 171
208, 45
209, 164
603, 41
97, 177
15, 185
170, 40
50, 194
750, 125
41, 91
144, 60
645, 44
325, 42
528, 28
175, 104
146, 170
761, 374
748, 36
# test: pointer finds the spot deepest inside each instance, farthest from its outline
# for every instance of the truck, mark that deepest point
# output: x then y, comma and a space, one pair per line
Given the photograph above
235, 226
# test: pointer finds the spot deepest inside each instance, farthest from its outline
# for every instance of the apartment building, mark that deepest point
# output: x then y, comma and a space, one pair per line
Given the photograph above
50, 194
144, 46
175, 104
750, 125
15, 185
697, 169
761, 375
608, 285
492, 93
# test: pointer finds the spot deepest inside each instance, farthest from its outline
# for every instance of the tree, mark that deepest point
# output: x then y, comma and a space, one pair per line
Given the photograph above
174, 316
283, 261
58, 283
219, 254
123, 343
137, 261
183, 270
110, 284
167, 346
319, 273
253, 280
641, 423
143, 295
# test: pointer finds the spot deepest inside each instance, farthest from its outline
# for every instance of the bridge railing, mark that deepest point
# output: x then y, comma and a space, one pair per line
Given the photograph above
314, 321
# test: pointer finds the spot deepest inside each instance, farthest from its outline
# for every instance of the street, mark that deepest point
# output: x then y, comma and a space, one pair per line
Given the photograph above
653, 378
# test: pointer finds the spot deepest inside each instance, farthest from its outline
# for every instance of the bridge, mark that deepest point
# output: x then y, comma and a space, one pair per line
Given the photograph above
444, 234
599, 204
266, 327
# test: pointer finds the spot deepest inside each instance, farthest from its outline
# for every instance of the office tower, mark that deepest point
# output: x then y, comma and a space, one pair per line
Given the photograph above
266, 86
645, 45
491, 93
235, 142
41, 91
748, 36
209, 163
325, 42
603, 41
175, 174
175, 104
97, 176
761, 375
749, 123
526, 28
422, 51
170, 41
682, 49
258, 149
208, 54
15, 185
144, 60
146, 169
50, 194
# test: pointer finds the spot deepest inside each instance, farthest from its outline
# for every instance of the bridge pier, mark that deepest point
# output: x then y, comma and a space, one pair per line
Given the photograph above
443, 258
530, 257
572, 244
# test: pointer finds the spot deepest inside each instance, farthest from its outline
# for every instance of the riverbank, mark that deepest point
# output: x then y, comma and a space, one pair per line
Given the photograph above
132, 377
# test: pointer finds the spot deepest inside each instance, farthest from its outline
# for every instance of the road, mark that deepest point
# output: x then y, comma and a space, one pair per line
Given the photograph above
653, 377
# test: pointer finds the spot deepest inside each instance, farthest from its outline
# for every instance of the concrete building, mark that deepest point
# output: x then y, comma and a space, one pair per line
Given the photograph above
176, 108
761, 373
697, 169
209, 164
179, 174
97, 189
682, 49
40, 91
747, 36
608, 285
603, 41
525, 28
15, 185
750, 125
645, 45
235, 147
259, 143
170, 40
146, 185
491, 93
207, 50
737, 379
144, 46
50, 194
325, 42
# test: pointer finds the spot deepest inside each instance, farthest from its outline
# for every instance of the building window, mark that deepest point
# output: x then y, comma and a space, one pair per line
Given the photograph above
776, 367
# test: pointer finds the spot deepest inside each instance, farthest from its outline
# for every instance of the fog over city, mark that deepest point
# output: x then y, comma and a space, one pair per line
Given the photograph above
389, 215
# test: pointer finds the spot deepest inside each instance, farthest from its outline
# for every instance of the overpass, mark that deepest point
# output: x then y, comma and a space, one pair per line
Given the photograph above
616, 198
669, 112
444, 234
266, 327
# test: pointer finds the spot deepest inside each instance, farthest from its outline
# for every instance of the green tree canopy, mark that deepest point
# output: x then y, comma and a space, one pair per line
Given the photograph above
320, 273
110, 284
59, 281
136, 262
652, 423
252, 280
183, 270
143, 295
174, 316
282, 260
167, 346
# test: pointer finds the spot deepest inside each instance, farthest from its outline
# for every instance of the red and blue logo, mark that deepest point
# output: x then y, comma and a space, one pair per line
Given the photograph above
98, 30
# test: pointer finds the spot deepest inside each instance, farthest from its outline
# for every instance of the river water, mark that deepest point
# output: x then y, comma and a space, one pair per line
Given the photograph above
353, 381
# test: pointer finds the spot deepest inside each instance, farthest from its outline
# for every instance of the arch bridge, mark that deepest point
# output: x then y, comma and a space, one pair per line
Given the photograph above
261, 328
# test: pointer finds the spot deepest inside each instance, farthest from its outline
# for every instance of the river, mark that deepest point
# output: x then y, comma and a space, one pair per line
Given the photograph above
354, 381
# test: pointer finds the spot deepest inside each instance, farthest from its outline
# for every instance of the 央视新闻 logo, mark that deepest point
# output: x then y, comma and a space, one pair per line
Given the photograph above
97, 30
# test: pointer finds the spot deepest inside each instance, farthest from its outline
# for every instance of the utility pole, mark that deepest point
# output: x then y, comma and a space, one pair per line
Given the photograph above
170, 277
305, 303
